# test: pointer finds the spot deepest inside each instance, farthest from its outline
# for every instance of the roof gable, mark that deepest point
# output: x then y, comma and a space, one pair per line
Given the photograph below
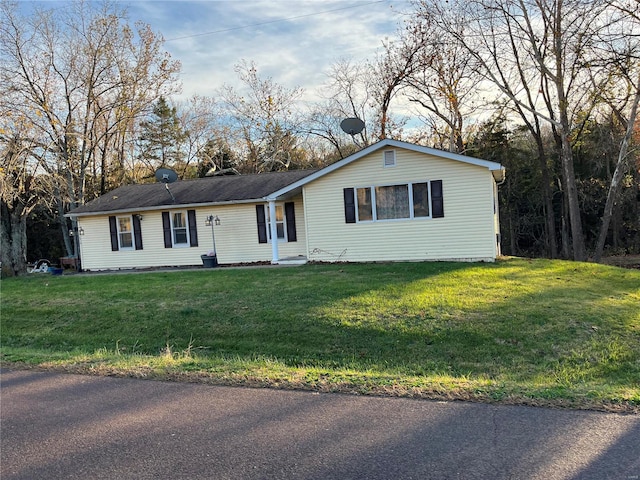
496, 168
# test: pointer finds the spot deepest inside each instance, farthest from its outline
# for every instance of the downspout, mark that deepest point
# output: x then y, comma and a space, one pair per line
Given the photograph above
274, 232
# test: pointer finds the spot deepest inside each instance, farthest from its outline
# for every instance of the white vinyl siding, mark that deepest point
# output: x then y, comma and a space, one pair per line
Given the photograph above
236, 240
466, 232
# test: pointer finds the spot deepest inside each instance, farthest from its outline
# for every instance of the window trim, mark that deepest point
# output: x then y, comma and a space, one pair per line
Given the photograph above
374, 212
185, 215
267, 219
120, 232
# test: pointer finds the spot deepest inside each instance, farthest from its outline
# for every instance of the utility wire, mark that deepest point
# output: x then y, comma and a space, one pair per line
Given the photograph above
272, 21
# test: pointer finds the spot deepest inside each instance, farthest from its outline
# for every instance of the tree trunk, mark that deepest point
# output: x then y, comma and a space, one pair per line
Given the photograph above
547, 195
13, 238
618, 174
512, 237
566, 253
571, 191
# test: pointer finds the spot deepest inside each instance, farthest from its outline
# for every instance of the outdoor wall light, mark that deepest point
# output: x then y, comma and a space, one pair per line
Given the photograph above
81, 231
211, 220
139, 217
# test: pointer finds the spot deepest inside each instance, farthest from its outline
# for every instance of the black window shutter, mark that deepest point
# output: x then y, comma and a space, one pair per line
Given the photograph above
290, 216
113, 230
193, 228
137, 232
166, 230
437, 203
262, 224
349, 205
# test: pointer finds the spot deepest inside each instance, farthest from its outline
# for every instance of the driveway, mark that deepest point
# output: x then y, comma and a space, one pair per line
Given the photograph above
63, 426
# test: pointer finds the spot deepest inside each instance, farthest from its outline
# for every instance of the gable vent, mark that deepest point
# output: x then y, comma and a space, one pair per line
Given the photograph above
390, 158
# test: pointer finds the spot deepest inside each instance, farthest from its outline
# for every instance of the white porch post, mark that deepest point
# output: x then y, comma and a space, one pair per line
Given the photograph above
274, 232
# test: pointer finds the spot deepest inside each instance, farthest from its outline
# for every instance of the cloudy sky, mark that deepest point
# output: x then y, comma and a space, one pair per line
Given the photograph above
293, 42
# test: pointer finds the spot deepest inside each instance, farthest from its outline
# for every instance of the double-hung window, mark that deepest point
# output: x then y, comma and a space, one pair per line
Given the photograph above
285, 222
280, 222
125, 233
420, 198
179, 229
393, 202
365, 205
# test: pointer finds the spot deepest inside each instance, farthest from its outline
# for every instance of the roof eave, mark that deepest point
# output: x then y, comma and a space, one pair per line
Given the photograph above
161, 207
496, 169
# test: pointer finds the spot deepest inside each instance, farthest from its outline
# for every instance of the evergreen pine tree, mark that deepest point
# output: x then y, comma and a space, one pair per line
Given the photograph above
162, 137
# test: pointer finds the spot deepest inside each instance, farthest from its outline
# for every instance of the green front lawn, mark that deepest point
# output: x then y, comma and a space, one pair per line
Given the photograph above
517, 331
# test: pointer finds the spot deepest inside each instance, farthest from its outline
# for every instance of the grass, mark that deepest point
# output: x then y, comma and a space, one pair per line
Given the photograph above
520, 331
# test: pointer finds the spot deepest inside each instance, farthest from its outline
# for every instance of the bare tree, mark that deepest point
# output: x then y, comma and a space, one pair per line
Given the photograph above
201, 120
516, 79
346, 95
390, 73
80, 76
620, 90
265, 120
20, 191
554, 39
324, 123
440, 76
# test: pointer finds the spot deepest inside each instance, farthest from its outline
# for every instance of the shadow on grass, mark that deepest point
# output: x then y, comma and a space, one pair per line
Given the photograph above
551, 325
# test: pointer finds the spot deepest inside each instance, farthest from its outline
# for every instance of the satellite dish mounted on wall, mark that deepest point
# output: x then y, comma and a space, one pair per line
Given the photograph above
352, 126
167, 176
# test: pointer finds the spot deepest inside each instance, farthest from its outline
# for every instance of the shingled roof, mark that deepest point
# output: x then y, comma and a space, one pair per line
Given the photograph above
210, 190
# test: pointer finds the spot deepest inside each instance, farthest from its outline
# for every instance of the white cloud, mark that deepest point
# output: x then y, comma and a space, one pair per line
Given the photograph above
294, 42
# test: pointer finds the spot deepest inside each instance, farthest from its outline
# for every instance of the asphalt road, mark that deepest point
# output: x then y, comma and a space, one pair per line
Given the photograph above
62, 426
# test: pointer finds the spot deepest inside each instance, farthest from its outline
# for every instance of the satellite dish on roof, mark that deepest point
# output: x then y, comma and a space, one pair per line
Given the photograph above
352, 126
166, 175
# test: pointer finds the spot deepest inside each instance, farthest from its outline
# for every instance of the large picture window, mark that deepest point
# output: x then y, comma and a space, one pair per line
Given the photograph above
393, 202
